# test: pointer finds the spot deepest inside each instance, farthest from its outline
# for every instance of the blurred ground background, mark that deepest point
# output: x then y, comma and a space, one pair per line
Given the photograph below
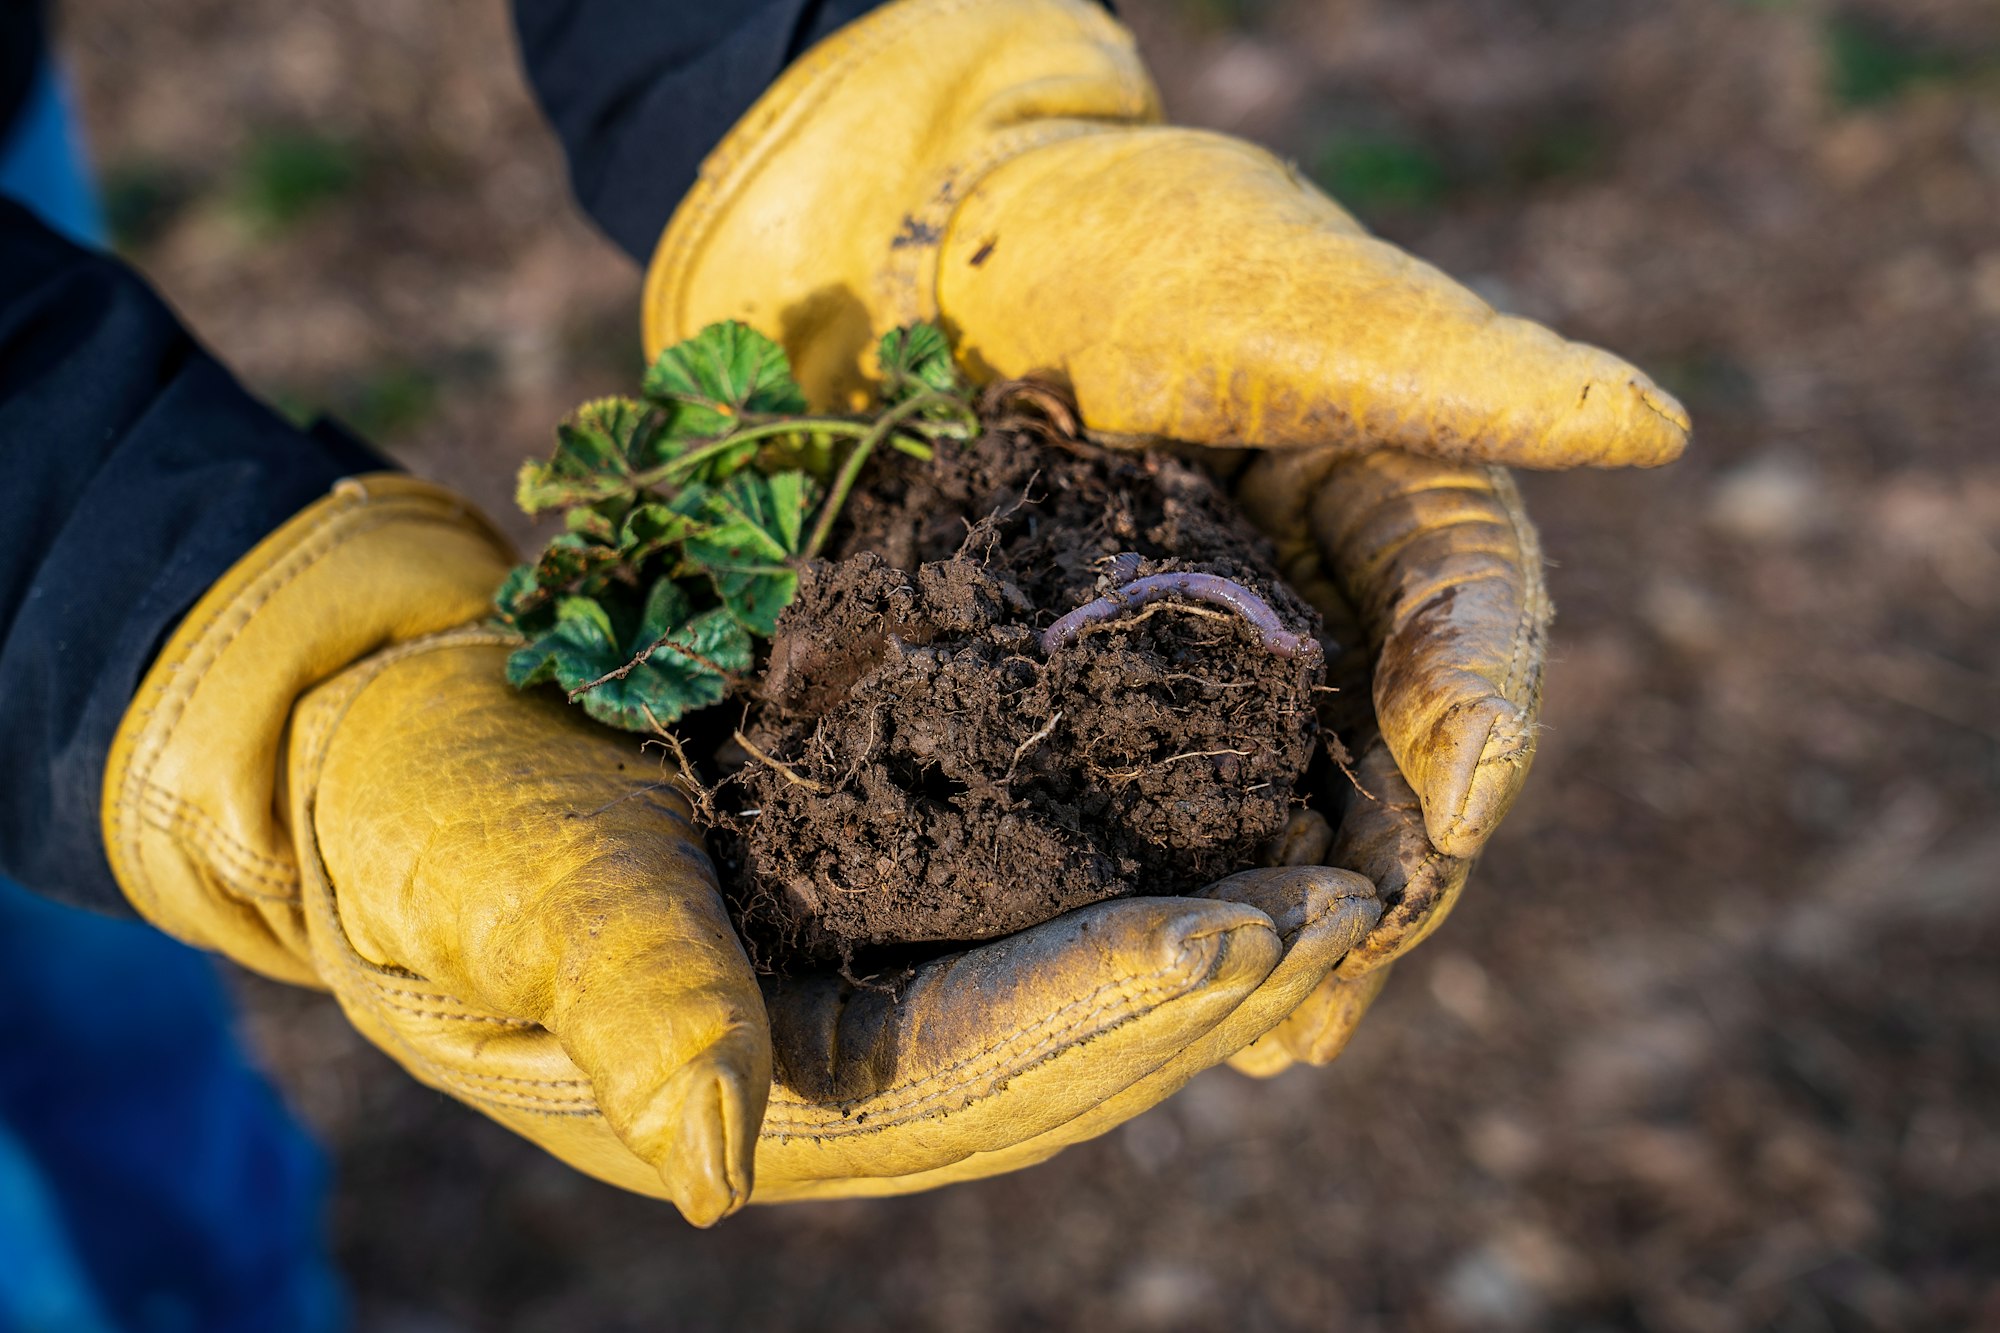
1714, 1042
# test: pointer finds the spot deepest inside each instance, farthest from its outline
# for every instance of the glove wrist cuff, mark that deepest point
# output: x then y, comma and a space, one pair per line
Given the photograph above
819, 217
194, 788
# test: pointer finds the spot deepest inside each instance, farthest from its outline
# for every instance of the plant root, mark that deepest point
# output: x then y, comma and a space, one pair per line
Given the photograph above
783, 770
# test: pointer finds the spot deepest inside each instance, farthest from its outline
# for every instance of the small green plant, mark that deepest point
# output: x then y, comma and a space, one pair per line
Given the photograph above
1871, 61
687, 512
1375, 174
283, 177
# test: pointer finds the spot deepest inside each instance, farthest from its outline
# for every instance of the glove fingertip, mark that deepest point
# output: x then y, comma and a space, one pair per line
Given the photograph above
1482, 758
708, 1167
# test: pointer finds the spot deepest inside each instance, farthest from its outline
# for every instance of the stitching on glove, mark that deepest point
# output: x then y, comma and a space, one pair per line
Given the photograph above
1534, 600
169, 814
435, 996
511, 1101
416, 1011
455, 1074
525, 1082
1142, 988
325, 534
1401, 928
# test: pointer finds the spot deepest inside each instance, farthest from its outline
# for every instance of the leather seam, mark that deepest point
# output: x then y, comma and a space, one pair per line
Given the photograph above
167, 813
440, 1015
326, 534
1399, 929
998, 1057
1531, 593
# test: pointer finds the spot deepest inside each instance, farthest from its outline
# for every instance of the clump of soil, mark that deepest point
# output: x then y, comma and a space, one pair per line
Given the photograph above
919, 766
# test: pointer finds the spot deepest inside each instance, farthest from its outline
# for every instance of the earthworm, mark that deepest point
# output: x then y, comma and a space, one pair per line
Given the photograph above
1210, 588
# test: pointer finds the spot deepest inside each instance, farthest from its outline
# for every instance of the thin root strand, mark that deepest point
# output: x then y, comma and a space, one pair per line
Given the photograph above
1048, 729
783, 770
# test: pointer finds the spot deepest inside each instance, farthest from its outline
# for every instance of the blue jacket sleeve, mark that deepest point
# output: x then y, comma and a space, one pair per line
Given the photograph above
133, 471
640, 90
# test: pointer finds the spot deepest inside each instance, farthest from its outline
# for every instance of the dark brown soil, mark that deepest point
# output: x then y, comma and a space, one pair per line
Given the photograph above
918, 770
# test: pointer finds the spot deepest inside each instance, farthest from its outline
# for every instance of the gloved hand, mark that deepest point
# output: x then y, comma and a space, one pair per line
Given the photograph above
1431, 574
998, 165
325, 777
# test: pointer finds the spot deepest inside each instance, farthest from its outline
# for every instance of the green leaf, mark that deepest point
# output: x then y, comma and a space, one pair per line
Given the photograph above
593, 457
573, 562
686, 664
651, 528
710, 381
755, 598
754, 524
569, 564
750, 520
792, 495
593, 523
661, 493
710, 641
519, 597
666, 607
916, 359
574, 653
604, 430
587, 609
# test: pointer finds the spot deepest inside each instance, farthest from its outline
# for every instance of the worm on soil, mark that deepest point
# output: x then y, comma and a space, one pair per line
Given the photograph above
1210, 588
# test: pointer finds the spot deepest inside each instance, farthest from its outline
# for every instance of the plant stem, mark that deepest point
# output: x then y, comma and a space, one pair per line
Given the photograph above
850, 469
786, 426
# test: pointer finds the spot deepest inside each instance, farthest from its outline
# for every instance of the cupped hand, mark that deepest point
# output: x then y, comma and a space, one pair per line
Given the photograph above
1001, 1056
512, 903
508, 900
1001, 167
1432, 572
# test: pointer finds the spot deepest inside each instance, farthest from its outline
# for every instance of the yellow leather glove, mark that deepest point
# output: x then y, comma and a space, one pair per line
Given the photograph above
998, 165
1433, 572
1002, 1056
325, 777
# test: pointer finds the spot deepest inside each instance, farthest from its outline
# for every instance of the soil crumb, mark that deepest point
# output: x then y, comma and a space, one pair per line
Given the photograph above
915, 769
